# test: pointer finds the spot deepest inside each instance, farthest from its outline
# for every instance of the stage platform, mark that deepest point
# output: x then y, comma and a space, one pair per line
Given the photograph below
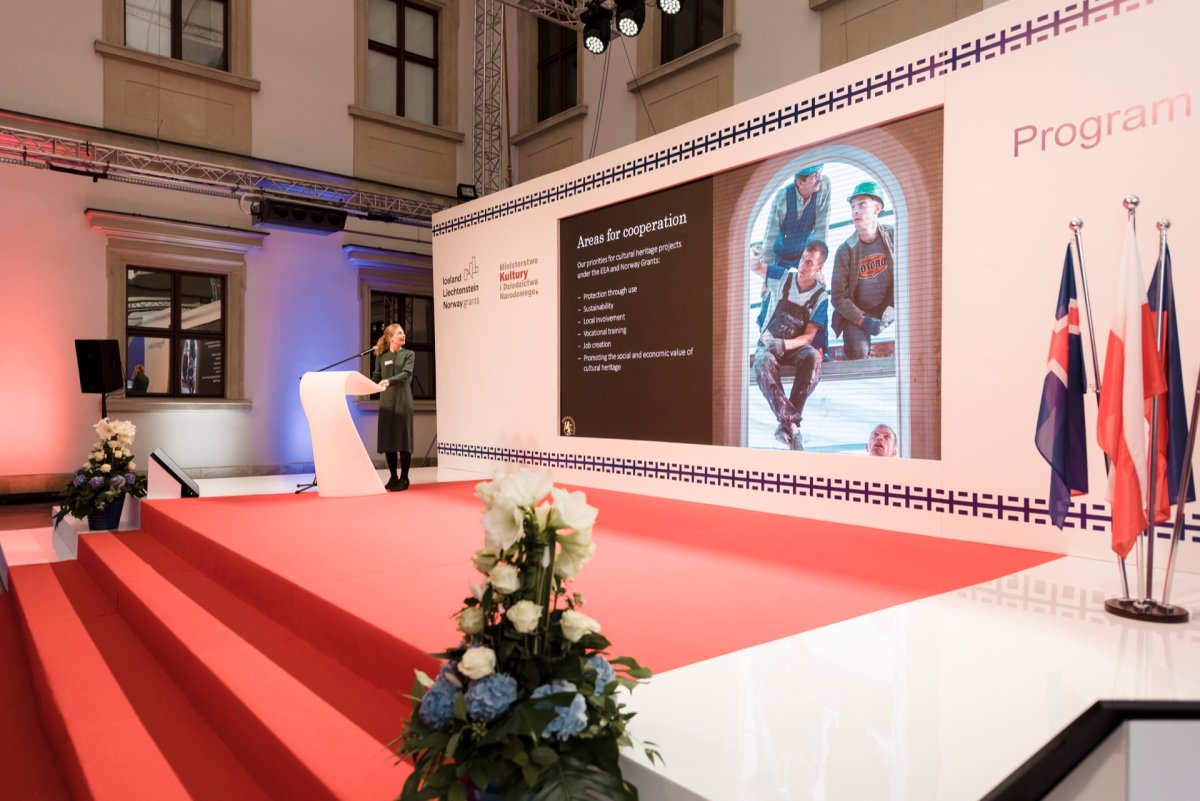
794, 659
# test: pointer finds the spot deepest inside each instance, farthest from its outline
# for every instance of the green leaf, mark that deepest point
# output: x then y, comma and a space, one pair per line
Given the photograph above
460, 706
543, 755
530, 774
574, 780
457, 793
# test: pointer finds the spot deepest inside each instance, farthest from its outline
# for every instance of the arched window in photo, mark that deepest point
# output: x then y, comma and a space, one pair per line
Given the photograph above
834, 250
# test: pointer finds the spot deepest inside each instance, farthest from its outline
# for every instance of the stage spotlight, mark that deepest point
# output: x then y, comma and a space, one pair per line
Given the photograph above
631, 16
597, 24
669, 6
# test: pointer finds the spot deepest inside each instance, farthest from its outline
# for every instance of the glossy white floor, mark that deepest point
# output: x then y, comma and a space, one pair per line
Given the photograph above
935, 700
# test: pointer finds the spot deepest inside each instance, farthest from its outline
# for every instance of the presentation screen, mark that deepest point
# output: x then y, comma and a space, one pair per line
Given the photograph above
792, 303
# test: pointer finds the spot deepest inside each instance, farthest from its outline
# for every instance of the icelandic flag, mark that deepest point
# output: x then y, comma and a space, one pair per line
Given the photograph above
1172, 412
1061, 434
1131, 376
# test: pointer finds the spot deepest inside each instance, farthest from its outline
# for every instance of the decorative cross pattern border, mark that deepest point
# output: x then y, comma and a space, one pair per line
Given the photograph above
964, 503
1042, 28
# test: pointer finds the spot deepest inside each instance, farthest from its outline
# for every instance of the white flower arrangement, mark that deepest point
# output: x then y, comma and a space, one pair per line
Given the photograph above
108, 473
528, 703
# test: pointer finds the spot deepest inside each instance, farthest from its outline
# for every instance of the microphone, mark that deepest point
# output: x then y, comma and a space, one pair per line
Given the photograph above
368, 350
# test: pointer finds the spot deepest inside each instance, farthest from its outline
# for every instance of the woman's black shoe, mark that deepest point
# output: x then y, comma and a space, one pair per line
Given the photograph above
394, 484
402, 484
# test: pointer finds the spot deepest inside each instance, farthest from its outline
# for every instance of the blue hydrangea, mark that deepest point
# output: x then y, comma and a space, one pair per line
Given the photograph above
571, 719
79, 479
605, 674
437, 707
118, 481
491, 696
130, 478
96, 481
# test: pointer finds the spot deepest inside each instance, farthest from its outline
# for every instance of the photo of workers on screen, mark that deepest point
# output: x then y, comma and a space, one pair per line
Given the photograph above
823, 256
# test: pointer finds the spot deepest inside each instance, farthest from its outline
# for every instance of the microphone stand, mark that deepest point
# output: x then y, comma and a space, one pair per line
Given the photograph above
304, 487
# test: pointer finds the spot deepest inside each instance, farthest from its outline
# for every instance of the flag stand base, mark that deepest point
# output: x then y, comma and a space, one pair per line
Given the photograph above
1152, 611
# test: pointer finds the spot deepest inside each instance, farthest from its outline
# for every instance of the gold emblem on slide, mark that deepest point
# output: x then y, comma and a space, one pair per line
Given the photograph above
568, 426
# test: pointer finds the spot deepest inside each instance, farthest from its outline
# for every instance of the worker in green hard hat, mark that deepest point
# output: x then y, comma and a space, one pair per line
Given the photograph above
799, 215
863, 284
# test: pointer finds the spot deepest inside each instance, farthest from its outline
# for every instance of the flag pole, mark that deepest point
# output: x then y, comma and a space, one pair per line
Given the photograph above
1131, 203
1186, 476
1076, 230
1144, 608
1155, 411
1186, 472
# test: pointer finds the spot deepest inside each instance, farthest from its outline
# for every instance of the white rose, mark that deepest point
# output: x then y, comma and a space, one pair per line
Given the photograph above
576, 624
504, 524
505, 579
477, 663
470, 620
572, 511
525, 487
106, 468
485, 560
525, 616
98, 456
132, 466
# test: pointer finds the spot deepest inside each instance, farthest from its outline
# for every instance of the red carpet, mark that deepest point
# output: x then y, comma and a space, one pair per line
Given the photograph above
672, 583
262, 647
27, 768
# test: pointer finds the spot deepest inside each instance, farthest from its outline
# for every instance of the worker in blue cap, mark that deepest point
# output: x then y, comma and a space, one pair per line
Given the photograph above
863, 285
799, 215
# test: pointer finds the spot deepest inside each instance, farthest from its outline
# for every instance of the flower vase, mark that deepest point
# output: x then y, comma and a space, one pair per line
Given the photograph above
108, 518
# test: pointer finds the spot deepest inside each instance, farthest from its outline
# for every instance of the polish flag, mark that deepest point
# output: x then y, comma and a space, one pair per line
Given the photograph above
1132, 375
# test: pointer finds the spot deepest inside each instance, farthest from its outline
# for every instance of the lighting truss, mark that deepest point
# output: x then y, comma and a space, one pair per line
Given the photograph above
488, 124
97, 161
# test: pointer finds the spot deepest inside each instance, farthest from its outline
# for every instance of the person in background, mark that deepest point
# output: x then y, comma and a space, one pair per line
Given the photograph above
139, 382
799, 215
794, 335
393, 372
882, 441
863, 280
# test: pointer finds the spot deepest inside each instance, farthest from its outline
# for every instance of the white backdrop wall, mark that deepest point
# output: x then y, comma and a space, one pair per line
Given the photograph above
1024, 66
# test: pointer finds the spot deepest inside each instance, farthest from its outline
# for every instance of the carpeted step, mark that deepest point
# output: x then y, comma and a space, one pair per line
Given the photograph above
382, 642
377, 711
294, 741
28, 771
118, 725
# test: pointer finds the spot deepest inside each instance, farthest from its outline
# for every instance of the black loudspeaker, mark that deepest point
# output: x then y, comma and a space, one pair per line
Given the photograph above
188, 488
99, 363
281, 214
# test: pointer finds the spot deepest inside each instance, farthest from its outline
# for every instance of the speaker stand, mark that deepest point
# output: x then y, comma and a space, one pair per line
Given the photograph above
305, 487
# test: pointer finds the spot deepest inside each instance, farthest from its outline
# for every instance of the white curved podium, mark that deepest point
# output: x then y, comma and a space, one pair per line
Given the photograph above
341, 462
